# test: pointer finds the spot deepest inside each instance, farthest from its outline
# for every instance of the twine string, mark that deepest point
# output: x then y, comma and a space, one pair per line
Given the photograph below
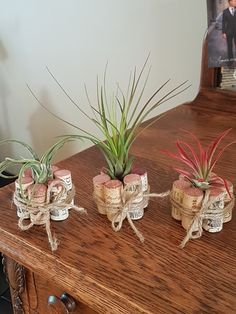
122, 210
40, 213
203, 213
159, 195
136, 231
197, 220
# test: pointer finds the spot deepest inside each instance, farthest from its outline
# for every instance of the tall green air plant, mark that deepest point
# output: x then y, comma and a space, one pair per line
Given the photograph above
41, 167
119, 120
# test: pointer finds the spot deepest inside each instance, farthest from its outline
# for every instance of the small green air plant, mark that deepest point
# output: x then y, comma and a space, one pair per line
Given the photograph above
41, 168
120, 120
201, 163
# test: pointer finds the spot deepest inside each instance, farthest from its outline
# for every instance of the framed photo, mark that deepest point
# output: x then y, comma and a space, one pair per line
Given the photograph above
221, 33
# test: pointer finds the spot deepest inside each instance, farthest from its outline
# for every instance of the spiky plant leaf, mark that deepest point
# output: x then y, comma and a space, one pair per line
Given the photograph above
120, 119
201, 163
40, 167
25, 145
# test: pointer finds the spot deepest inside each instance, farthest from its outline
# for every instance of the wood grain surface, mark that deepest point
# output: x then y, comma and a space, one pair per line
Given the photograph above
115, 273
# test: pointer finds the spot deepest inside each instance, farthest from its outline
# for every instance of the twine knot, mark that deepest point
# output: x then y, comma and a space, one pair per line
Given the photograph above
195, 229
117, 213
40, 213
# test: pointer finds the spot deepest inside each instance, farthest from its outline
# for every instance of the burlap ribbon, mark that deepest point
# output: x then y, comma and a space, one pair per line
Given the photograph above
40, 213
204, 212
119, 212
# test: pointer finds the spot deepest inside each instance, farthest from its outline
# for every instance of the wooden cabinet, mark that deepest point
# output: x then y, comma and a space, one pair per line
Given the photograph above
112, 272
33, 294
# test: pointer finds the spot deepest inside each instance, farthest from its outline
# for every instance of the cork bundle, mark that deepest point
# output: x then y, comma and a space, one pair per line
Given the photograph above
38, 203
31, 197
201, 209
43, 192
201, 199
121, 199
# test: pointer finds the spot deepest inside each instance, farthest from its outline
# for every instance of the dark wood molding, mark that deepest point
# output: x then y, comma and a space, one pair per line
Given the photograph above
209, 76
15, 274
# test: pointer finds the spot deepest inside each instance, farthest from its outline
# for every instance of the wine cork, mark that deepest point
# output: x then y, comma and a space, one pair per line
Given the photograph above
136, 211
227, 212
57, 214
112, 191
23, 183
37, 195
21, 186
64, 175
192, 201
112, 196
98, 185
133, 184
215, 212
143, 175
193, 198
144, 181
230, 186
56, 188
27, 173
178, 193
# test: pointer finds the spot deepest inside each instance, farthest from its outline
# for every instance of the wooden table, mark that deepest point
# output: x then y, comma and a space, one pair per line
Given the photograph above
109, 272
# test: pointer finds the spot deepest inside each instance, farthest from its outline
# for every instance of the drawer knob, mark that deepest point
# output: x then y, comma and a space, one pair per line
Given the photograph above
68, 302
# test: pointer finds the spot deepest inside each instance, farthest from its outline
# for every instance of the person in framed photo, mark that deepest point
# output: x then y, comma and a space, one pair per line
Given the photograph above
229, 28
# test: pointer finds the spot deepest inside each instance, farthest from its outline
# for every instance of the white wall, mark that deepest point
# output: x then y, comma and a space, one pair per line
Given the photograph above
75, 39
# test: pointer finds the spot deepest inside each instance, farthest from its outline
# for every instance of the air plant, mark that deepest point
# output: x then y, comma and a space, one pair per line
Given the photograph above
201, 163
41, 168
118, 120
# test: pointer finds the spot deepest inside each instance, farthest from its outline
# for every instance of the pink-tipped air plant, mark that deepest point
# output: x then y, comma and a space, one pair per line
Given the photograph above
202, 162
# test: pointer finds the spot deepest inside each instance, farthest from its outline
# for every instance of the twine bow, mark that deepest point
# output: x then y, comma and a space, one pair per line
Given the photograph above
123, 212
203, 213
119, 212
40, 213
